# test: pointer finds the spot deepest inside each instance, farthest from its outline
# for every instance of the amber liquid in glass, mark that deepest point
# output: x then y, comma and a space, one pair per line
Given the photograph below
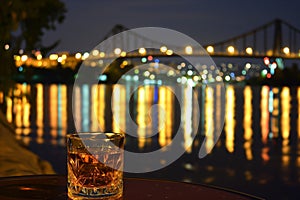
96, 174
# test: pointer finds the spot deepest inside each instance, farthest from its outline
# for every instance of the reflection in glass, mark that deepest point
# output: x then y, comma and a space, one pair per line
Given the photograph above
229, 118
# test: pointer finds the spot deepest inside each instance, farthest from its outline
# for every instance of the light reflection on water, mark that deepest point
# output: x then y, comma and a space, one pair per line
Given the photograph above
261, 122
48, 113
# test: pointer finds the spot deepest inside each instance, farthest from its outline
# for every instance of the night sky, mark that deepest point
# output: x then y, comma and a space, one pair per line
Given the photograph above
206, 21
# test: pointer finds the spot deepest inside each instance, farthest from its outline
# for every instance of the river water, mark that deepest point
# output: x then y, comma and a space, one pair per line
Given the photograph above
258, 151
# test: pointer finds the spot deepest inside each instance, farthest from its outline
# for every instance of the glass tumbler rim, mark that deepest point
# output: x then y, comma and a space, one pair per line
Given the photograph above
92, 135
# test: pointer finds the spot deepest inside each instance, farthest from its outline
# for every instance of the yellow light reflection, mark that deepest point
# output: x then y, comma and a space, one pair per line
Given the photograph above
40, 133
17, 107
53, 110
218, 111
162, 116
26, 112
77, 107
25, 109
264, 107
248, 113
144, 112
275, 114
209, 118
187, 117
248, 150
248, 132
229, 118
94, 108
119, 109
165, 101
39, 107
9, 104
141, 117
285, 153
285, 114
100, 108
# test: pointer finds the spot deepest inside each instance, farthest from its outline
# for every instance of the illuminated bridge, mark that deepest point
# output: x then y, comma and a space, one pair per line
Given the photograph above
275, 39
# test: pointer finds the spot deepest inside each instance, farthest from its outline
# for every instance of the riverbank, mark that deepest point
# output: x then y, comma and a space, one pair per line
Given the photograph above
16, 159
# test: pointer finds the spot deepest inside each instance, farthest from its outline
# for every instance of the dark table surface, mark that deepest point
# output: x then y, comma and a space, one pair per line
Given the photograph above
54, 187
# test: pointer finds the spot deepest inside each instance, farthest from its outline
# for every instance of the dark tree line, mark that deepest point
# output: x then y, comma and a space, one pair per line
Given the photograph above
22, 26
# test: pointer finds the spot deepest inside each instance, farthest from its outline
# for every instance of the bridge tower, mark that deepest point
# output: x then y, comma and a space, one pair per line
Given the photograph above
277, 46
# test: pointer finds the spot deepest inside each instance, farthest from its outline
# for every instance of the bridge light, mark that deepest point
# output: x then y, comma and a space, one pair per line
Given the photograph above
85, 55
78, 55
123, 54
188, 50
146, 73
152, 76
17, 57
6, 47
227, 78
286, 50
266, 61
142, 51
53, 57
248, 66
59, 59
95, 52
210, 49
64, 56
117, 51
190, 72
163, 49
169, 52
274, 65
102, 54
39, 57
249, 50
24, 58
264, 72
144, 60
230, 49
